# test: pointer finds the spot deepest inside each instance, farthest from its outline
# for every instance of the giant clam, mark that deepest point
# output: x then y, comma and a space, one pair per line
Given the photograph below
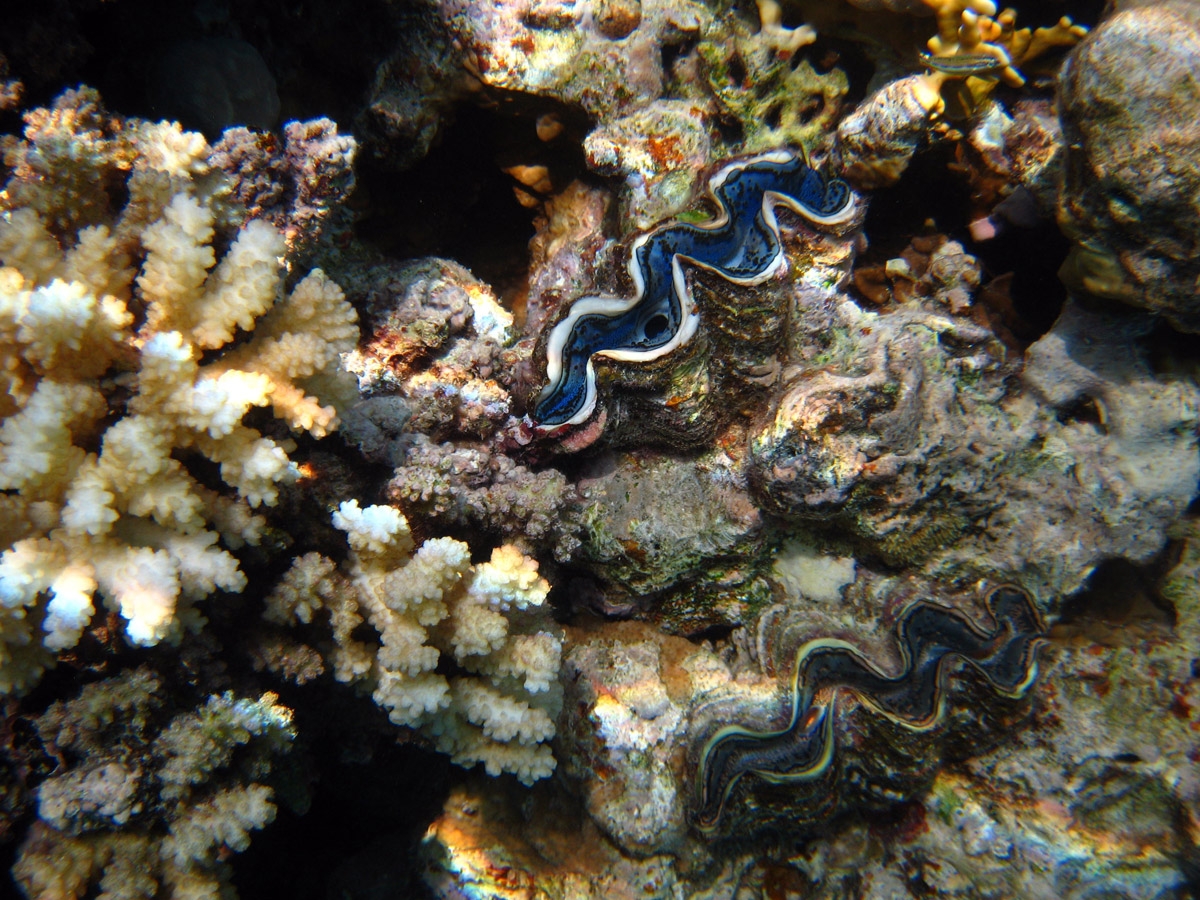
659, 312
857, 735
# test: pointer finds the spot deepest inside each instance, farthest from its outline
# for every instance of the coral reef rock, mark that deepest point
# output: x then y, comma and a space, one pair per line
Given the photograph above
413, 90
490, 843
437, 344
677, 537
604, 55
659, 150
1129, 105
905, 439
625, 718
475, 487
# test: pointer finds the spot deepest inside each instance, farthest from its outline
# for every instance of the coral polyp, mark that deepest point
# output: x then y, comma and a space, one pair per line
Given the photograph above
913, 705
742, 245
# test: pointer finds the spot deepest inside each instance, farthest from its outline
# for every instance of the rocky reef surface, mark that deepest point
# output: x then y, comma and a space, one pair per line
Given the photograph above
634, 448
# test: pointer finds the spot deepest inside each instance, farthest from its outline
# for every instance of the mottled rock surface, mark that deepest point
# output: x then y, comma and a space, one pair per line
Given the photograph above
1130, 104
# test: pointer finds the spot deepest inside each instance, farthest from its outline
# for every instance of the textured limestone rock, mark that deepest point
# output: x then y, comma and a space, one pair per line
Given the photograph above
1130, 103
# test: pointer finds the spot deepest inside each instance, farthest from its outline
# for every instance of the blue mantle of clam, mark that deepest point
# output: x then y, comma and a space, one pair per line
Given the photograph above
741, 244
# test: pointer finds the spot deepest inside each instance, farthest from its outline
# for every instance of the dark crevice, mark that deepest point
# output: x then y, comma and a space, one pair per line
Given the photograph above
1086, 410
737, 71
716, 634
672, 53
1033, 256
925, 194
1023, 261
730, 130
827, 53
322, 61
773, 115
459, 202
389, 794
1122, 593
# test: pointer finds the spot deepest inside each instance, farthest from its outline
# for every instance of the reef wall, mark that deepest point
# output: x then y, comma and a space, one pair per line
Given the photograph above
777, 526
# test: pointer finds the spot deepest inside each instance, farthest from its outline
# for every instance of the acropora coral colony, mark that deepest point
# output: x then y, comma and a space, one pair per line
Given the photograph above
130, 352
867, 506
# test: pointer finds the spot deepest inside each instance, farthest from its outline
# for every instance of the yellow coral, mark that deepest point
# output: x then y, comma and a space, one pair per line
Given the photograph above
972, 28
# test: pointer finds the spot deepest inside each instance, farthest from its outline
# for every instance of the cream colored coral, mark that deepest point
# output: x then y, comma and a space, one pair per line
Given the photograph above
36, 452
297, 346
531, 658
156, 813
181, 294
376, 534
424, 604
313, 583
509, 578
28, 248
73, 150
177, 263
108, 391
58, 180
222, 820
165, 147
771, 27
500, 717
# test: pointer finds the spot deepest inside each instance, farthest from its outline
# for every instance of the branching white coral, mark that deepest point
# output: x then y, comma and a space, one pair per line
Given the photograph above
431, 605
114, 375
